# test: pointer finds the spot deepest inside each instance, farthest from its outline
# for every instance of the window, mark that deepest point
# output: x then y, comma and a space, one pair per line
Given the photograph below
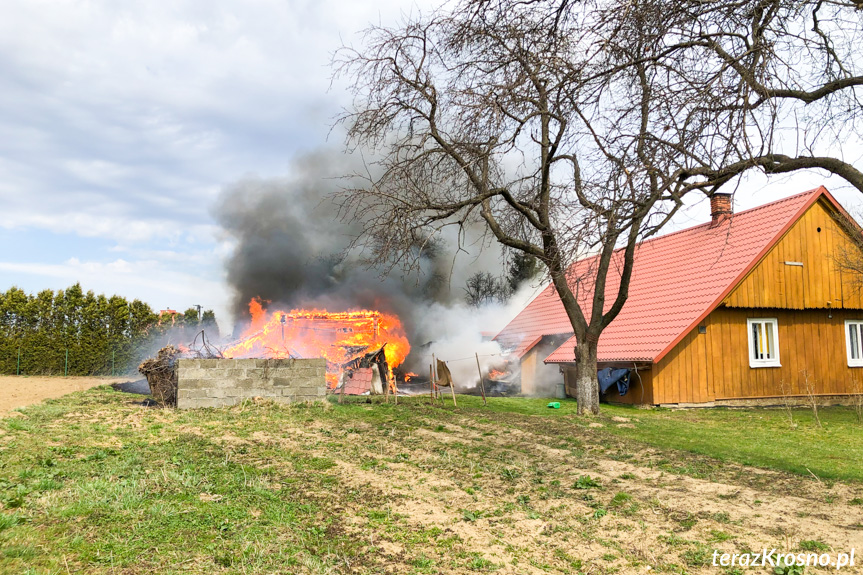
854, 342
763, 343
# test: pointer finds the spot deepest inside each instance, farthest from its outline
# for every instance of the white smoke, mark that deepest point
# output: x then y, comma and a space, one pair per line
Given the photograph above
459, 332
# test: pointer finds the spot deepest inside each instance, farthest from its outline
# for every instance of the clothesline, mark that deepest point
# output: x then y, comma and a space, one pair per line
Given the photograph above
467, 358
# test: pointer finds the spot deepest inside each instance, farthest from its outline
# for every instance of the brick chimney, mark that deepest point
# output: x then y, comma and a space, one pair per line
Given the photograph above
720, 208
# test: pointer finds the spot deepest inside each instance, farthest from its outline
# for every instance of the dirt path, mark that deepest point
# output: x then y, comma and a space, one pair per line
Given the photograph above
20, 391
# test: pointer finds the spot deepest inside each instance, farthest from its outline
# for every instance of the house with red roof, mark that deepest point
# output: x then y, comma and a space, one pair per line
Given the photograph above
750, 306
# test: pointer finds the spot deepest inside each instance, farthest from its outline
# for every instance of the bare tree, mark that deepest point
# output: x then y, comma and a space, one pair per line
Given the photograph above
571, 130
857, 391
793, 78
811, 395
483, 288
849, 256
786, 402
780, 80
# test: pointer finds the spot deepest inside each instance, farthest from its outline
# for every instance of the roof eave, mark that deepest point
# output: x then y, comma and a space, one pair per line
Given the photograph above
641, 360
529, 347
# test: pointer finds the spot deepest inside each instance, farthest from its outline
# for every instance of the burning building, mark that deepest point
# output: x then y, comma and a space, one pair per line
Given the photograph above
348, 341
290, 247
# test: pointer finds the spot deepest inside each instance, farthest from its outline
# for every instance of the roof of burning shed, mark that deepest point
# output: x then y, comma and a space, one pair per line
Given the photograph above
542, 316
677, 280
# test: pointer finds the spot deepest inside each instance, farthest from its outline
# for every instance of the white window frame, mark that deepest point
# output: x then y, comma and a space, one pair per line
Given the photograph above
858, 323
769, 323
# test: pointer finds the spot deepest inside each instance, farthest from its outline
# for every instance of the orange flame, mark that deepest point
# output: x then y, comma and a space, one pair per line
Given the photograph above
259, 315
336, 336
495, 374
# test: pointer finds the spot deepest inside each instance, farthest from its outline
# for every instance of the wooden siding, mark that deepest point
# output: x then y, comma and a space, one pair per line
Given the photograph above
538, 378
818, 283
640, 389
715, 365
528, 372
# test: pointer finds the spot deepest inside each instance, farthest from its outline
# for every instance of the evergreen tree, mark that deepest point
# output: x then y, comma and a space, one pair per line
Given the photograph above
209, 325
190, 323
119, 337
12, 307
39, 345
100, 333
190, 317
144, 330
73, 318
522, 268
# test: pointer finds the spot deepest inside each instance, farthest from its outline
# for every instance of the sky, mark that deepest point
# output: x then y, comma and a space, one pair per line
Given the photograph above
123, 121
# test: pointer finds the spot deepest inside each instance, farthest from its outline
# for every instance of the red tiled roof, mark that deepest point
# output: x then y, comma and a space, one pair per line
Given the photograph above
677, 280
358, 381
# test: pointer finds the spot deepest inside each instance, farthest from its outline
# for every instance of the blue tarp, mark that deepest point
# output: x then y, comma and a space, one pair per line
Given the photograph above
609, 376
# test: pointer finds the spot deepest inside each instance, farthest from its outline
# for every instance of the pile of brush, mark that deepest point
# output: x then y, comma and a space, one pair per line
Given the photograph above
161, 374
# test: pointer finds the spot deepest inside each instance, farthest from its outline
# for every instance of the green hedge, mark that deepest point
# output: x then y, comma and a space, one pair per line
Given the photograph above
100, 335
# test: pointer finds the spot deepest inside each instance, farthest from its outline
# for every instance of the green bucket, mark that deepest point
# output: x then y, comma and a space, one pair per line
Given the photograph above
554, 405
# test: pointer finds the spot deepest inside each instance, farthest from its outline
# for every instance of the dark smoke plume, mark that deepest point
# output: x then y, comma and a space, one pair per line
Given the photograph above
292, 249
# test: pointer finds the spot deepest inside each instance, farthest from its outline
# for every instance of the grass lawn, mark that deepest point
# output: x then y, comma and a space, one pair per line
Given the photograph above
759, 437
766, 438
96, 483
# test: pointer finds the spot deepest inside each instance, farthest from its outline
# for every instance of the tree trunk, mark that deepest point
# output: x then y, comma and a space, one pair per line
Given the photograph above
586, 384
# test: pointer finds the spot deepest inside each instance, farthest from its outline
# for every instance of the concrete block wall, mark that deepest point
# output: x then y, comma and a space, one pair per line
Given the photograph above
226, 382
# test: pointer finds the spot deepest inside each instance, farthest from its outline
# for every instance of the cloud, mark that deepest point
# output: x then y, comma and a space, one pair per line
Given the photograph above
137, 276
123, 121
141, 112
149, 280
